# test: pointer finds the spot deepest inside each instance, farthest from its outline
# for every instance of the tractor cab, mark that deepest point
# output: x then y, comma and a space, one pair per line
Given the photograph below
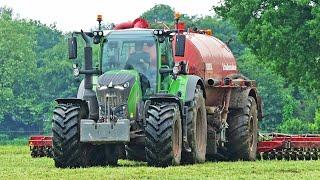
133, 51
134, 66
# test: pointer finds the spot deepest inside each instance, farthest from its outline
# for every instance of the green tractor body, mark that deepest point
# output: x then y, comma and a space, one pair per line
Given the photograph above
142, 104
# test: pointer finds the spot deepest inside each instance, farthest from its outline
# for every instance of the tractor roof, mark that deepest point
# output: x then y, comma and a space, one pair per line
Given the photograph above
131, 32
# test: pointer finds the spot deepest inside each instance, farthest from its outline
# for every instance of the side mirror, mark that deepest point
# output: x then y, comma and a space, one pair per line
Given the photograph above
180, 45
184, 67
72, 43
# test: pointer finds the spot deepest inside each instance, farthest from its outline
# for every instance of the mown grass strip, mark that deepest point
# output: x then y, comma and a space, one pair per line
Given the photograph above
16, 163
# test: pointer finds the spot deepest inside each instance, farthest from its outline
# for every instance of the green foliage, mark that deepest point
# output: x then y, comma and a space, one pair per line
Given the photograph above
18, 70
285, 33
159, 13
34, 71
294, 126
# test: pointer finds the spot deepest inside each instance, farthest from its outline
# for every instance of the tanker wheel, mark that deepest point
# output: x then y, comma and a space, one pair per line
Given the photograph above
135, 152
67, 149
163, 135
197, 130
242, 132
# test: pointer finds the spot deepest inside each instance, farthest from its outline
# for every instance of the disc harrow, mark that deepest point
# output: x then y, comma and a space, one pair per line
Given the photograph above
289, 147
40, 146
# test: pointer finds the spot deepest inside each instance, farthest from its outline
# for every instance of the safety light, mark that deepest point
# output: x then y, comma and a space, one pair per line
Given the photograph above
208, 32
177, 15
99, 18
155, 32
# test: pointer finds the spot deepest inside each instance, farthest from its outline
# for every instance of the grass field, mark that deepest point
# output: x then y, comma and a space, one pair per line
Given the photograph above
16, 163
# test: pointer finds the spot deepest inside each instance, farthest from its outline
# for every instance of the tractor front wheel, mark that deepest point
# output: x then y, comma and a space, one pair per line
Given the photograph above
67, 149
163, 135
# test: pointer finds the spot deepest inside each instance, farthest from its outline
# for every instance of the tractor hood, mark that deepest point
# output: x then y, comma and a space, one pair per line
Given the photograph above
116, 78
117, 91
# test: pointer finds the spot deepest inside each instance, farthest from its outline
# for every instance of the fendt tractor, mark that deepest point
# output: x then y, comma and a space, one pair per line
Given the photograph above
169, 97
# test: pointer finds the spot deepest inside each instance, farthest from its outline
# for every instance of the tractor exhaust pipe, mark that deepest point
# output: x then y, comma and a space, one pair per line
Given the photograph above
88, 66
87, 61
89, 94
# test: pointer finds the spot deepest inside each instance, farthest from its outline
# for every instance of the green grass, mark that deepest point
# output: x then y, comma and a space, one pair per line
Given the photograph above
16, 163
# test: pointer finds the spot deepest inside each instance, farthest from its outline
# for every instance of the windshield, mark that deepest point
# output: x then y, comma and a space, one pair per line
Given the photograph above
131, 52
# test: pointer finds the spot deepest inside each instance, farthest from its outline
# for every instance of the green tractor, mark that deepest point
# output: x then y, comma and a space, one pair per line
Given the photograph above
137, 98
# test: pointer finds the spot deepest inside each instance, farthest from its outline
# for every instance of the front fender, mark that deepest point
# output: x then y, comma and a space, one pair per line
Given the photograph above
84, 108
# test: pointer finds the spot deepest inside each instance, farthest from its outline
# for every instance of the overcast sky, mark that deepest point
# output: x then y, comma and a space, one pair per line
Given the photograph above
70, 15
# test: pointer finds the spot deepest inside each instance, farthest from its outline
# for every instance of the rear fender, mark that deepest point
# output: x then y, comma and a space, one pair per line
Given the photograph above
185, 86
239, 97
193, 82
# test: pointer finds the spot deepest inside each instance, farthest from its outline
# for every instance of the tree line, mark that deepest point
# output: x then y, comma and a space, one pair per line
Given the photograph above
34, 68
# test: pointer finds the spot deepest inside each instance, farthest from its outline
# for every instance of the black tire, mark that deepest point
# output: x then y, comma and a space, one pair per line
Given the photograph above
67, 149
197, 131
34, 152
242, 133
163, 135
122, 152
135, 152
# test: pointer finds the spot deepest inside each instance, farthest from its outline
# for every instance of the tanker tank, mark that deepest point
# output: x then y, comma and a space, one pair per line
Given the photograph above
208, 57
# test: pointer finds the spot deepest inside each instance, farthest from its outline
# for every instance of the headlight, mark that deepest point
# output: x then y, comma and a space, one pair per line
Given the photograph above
76, 72
102, 87
126, 85
119, 87
175, 70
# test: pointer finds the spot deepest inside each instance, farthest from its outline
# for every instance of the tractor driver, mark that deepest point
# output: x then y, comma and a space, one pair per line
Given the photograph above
139, 60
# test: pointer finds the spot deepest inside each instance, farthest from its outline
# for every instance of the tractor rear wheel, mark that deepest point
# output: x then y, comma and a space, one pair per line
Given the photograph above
242, 132
197, 130
67, 149
163, 135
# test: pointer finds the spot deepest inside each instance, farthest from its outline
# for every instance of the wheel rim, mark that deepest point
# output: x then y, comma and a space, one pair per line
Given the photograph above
199, 135
176, 144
